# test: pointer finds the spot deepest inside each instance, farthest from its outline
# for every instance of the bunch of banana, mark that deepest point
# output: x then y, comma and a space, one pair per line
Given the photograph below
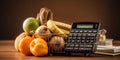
58, 27
62, 25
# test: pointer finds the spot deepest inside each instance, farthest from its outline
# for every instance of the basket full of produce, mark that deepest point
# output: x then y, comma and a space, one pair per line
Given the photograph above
42, 35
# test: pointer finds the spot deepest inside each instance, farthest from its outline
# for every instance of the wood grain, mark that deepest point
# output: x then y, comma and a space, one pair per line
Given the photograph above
8, 52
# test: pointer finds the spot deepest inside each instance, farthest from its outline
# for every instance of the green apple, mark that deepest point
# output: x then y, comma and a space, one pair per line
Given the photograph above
30, 24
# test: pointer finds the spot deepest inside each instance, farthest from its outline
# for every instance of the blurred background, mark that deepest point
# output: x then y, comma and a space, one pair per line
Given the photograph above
14, 12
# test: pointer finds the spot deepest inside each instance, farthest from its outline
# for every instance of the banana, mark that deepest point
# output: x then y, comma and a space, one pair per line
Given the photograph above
51, 25
64, 31
62, 25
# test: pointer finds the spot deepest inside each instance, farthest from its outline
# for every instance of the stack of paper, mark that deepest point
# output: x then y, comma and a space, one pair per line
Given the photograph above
108, 50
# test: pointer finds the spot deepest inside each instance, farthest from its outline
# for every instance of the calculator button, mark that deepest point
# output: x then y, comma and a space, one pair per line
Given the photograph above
85, 49
77, 45
70, 34
85, 31
72, 45
78, 37
81, 48
82, 41
83, 34
89, 31
67, 45
76, 31
93, 34
69, 48
81, 45
91, 41
81, 31
69, 38
83, 38
79, 34
88, 34
85, 45
68, 41
74, 38
92, 38
89, 49
75, 49
73, 41
78, 41
88, 38
87, 41
75, 34
94, 31
72, 31
90, 46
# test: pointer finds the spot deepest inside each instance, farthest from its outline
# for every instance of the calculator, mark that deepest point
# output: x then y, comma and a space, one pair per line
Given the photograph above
82, 38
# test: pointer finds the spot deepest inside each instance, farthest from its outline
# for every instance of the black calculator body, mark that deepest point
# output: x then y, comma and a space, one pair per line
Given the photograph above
82, 38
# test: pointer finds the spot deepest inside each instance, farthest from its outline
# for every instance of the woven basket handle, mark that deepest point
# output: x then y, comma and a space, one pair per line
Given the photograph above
44, 15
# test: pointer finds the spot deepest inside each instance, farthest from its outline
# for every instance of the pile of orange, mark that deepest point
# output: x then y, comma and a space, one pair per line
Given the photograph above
29, 45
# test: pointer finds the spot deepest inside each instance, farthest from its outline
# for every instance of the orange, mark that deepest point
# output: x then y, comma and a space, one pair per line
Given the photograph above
38, 47
17, 40
24, 45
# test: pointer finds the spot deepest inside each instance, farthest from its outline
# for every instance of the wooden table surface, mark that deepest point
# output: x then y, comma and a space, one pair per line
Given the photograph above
8, 52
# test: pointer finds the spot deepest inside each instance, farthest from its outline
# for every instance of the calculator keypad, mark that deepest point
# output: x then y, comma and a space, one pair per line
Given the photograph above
80, 40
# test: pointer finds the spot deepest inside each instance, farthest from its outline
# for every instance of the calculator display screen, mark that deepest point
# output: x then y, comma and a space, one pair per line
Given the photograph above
84, 26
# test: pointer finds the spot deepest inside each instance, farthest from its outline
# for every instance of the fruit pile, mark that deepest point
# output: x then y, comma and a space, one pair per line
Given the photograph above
37, 32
